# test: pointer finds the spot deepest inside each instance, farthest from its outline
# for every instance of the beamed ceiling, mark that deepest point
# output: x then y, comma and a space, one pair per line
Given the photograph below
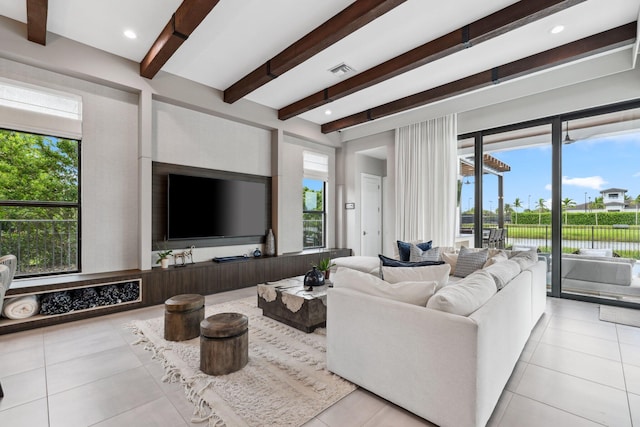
405, 53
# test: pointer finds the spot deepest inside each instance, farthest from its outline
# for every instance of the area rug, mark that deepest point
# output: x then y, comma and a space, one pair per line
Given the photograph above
285, 382
622, 315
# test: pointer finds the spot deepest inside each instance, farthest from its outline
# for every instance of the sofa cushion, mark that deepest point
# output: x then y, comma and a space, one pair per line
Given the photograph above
451, 259
391, 262
366, 264
417, 293
503, 272
605, 252
465, 296
470, 261
404, 248
416, 254
495, 257
438, 273
524, 258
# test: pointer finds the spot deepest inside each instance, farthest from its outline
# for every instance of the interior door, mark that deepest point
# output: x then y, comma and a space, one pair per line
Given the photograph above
371, 215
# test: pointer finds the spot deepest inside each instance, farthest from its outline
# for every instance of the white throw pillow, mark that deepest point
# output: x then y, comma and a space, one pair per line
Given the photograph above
605, 252
451, 259
416, 254
417, 293
465, 296
366, 264
496, 257
503, 272
438, 273
525, 258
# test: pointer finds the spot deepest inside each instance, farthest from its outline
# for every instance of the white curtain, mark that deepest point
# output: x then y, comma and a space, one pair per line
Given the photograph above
426, 181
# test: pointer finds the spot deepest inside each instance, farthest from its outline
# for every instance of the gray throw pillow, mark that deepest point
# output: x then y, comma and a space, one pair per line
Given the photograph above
470, 261
416, 254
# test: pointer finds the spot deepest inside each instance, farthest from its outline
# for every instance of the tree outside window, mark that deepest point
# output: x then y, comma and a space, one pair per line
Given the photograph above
313, 213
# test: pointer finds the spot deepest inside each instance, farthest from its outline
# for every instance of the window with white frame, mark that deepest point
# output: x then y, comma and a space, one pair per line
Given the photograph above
316, 174
40, 131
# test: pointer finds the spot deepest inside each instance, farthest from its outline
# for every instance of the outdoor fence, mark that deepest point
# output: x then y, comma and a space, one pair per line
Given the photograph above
41, 246
312, 233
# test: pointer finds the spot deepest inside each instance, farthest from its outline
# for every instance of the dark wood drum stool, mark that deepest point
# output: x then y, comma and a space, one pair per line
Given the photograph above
182, 317
224, 343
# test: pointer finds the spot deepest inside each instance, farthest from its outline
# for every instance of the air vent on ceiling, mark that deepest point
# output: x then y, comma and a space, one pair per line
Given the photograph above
341, 70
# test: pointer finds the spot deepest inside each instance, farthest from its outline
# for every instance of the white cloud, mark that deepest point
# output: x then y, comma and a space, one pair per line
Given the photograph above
636, 175
593, 182
548, 187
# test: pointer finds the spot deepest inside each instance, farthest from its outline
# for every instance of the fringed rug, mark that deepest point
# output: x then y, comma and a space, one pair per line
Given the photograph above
285, 383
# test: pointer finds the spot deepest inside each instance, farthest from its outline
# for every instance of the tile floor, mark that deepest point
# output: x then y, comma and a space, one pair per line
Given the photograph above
574, 371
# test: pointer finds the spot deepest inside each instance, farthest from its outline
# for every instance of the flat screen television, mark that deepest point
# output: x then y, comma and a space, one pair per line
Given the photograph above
200, 207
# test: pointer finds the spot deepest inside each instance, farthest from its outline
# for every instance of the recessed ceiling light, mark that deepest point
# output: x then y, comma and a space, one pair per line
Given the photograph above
557, 29
130, 34
327, 112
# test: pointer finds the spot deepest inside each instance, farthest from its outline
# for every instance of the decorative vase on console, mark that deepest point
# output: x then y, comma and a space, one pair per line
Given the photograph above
313, 278
270, 244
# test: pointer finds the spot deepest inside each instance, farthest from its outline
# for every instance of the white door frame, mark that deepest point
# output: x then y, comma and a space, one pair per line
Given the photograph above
378, 179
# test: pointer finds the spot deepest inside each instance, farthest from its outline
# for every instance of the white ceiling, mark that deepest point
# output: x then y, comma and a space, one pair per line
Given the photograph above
239, 35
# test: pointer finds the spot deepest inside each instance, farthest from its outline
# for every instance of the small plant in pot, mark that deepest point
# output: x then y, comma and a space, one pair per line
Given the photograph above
325, 266
163, 258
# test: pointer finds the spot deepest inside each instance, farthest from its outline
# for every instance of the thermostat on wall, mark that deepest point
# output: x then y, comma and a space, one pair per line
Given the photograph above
350, 205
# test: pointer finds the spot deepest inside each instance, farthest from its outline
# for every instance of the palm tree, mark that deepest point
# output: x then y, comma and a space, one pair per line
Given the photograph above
508, 209
540, 207
517, 204
566, 204
598, 203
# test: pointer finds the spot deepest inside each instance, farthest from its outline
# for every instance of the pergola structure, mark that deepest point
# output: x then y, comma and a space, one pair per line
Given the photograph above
493, 166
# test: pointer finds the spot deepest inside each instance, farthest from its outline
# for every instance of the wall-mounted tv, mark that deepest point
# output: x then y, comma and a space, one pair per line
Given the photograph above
200, 207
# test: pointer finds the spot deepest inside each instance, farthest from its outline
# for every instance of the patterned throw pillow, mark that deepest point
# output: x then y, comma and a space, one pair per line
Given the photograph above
470, 261
404, 248
417, 254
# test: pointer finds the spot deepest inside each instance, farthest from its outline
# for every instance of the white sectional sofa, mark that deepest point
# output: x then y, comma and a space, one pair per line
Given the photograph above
447, 368
600, 275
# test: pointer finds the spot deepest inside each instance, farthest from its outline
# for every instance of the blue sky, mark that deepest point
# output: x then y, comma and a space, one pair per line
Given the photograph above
589, 166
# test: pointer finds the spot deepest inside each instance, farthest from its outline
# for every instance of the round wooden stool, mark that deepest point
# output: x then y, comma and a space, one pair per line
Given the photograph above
224, 343
182, 317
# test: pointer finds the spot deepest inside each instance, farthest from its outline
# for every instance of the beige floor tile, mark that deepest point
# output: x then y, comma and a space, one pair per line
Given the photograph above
21, 361
75, 330
21, 340
632, 376
56, 352
524, 412
601, 330
516, 376
32, 414
540, 327
315, 423
500, 409
353, 410
634, 404
528, 350
630, 354
586, 312
83, 370
23, 388
587, 399
583, 365
628, 334
392, 415
102, 399
156, 371
160, 412
579, 342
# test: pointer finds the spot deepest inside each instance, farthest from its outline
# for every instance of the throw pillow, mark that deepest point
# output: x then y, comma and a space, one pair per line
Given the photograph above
466, 296
503, 272
390, 262
366, 264
404, 248
525, 258
497, 257
416, 254
451, 259
470, 261
438, 273
417, 293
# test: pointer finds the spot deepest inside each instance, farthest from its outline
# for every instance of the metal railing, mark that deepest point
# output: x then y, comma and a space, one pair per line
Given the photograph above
313, 233
42, 246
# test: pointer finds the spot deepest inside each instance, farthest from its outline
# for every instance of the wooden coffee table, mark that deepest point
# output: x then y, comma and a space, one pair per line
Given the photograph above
286, 301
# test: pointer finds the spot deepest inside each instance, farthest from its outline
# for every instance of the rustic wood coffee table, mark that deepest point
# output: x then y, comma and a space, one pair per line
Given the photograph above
286, 301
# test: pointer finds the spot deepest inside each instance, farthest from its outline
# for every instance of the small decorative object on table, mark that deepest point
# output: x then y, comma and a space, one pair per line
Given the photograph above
270, 248
324, 266
313, 278
257, 253
163, 258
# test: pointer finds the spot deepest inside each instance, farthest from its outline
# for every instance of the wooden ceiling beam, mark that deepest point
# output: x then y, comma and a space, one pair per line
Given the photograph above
182, 23
508, 19
350, 19
606, 40
37, 21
